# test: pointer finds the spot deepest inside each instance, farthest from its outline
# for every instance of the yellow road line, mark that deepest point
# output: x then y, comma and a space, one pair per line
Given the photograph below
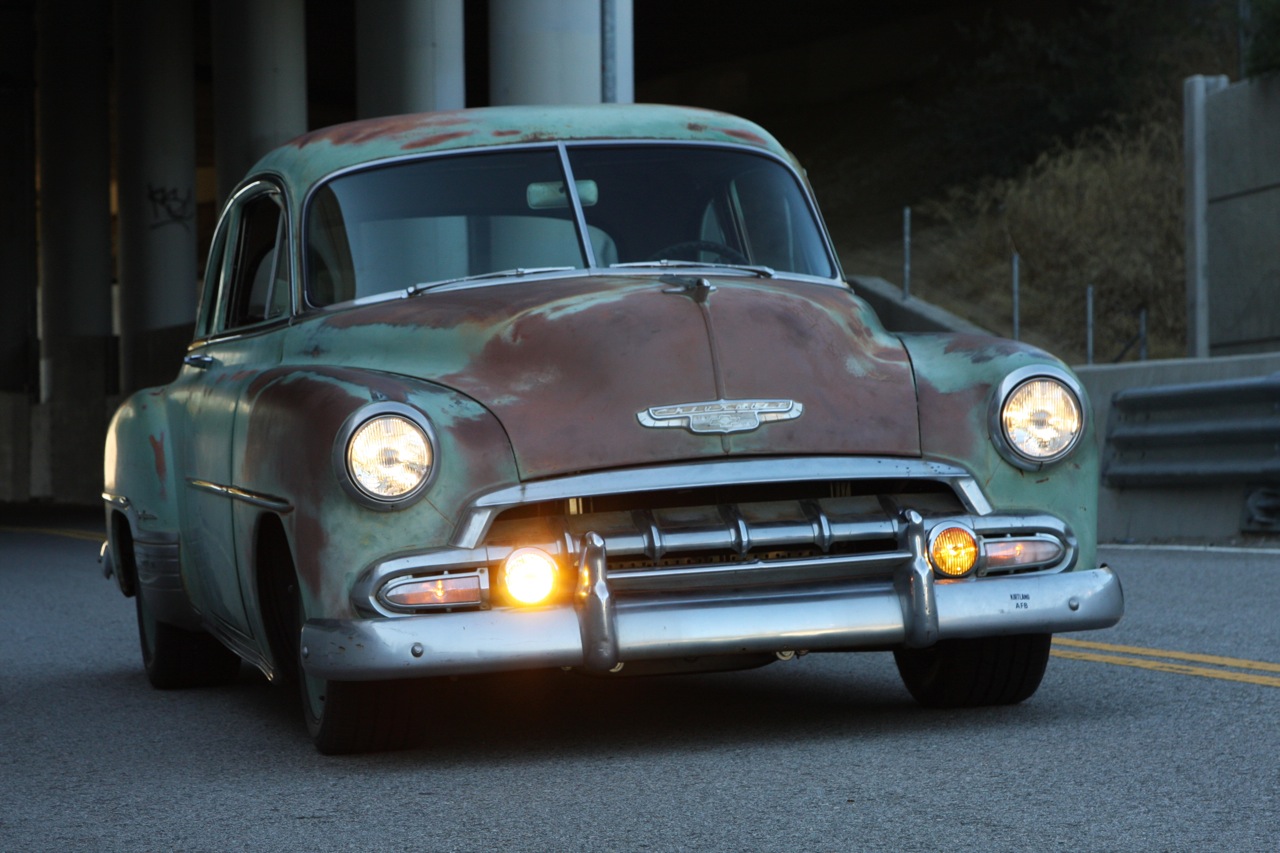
1179, 668
53, 531
1212, 660
1218, 667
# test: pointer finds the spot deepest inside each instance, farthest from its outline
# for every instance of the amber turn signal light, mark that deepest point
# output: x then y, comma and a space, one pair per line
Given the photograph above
953, 551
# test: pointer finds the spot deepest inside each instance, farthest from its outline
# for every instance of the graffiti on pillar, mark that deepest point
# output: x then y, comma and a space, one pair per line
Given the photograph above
171, 206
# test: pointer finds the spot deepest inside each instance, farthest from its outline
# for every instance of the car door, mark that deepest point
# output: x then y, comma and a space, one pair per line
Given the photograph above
246, 305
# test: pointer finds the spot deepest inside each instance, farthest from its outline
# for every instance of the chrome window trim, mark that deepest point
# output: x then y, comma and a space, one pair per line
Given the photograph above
612, 272
209, 326
562, 147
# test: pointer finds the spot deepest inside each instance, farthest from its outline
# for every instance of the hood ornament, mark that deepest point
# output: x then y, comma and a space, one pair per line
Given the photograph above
720, 416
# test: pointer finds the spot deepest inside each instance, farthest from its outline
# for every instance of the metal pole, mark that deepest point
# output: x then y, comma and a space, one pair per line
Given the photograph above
906, 252
1142, 335
608, 51
1088, 324
1016, 264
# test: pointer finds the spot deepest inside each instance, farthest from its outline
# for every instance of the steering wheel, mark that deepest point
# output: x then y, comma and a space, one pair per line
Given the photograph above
676, 251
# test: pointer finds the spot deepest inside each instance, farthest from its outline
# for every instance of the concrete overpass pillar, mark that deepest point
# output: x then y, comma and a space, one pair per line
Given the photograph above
17, 188
155, 187
259, 82
409, 56
77, 354
19, 349
544, 52
617, 52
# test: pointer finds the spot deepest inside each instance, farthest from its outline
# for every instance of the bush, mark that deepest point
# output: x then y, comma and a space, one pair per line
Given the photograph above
1106, 211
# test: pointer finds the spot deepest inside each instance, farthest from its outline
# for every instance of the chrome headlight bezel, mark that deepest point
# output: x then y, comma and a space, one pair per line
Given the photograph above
1014, 381
341, 446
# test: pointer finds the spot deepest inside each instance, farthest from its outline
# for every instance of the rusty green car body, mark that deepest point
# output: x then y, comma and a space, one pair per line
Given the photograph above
627, 368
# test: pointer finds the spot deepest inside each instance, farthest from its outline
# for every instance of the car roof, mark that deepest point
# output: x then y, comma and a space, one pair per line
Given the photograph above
310, 157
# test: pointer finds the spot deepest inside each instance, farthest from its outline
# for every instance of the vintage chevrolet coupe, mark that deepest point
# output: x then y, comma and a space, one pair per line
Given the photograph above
581, 387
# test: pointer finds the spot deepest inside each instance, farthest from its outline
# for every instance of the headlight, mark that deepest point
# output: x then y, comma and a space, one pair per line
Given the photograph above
387, 456
1041, 419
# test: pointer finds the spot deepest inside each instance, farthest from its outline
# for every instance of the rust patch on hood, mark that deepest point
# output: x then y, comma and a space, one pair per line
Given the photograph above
566, 365
812, 344
567, 370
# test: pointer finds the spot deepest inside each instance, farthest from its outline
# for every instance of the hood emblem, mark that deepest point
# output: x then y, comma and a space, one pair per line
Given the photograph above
720, 416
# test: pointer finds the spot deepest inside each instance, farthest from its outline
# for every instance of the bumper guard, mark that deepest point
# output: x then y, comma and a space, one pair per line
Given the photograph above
599, 631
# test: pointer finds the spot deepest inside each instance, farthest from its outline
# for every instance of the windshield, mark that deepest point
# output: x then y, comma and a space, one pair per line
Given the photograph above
417, 222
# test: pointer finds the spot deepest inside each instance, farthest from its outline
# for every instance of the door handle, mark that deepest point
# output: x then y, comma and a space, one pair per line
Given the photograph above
203, 362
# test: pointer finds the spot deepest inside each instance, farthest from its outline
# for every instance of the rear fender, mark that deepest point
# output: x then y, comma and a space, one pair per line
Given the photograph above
140, 495
138, 471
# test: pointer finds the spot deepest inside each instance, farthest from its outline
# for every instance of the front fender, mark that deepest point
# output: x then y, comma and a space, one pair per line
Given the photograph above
284, 443
957, 379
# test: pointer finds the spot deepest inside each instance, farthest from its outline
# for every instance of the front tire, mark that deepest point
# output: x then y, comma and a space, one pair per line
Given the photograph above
969, 673
345, 717
342, 717
176, 658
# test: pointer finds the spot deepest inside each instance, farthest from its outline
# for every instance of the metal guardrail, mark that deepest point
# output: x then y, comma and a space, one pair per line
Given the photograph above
1195, 434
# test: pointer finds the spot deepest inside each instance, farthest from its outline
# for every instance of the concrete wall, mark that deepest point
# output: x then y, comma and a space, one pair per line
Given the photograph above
1236, 226
908, 314
1207, 513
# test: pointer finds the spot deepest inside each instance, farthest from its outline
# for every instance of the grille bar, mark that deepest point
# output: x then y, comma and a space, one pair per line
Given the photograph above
755, 573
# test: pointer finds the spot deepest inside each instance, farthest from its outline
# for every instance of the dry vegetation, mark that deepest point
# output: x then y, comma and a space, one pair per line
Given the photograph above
1105, 211
1102, 206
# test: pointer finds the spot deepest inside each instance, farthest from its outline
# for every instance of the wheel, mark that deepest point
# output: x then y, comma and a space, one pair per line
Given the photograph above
685, 251
972, 672
345, 717
174, 657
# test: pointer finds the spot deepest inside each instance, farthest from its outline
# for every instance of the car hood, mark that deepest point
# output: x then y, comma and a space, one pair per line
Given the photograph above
589, 373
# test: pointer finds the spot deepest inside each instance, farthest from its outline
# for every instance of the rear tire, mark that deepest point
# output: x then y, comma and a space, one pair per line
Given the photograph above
972, 672
176, 658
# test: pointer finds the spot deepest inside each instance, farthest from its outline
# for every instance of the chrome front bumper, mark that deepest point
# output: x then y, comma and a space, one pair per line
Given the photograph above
599, 631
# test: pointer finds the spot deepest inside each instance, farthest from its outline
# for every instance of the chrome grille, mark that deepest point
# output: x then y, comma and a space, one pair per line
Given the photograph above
819, 531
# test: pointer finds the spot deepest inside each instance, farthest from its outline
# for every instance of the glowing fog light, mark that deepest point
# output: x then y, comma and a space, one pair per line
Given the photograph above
529, 575
953, 551
389, 457
1041, 419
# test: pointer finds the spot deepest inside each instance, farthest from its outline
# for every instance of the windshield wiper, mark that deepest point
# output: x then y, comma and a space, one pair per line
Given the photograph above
516, 272
761, 271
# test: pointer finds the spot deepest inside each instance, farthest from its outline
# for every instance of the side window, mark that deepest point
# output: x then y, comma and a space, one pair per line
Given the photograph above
211, 287
258, 287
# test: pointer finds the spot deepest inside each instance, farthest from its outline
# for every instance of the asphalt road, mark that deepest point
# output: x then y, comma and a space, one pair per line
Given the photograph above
1164, 738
